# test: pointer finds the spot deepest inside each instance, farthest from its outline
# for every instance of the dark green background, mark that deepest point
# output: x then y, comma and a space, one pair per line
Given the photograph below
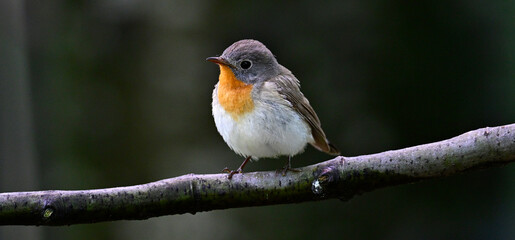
99, 94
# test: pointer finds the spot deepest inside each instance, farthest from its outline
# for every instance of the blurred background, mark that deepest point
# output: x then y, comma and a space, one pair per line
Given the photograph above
97, 94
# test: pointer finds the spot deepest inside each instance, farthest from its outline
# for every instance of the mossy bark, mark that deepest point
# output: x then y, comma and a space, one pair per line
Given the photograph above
341, 177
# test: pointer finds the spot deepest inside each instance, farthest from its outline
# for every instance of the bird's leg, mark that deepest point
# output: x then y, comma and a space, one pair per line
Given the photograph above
287, 167
239, 170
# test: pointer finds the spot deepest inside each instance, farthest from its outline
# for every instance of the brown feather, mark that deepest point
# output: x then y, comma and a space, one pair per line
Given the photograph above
289, 87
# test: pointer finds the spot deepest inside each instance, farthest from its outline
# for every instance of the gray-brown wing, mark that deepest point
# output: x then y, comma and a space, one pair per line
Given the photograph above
288, 86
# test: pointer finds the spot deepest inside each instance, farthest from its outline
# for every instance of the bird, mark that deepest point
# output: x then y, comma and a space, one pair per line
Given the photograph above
258, 107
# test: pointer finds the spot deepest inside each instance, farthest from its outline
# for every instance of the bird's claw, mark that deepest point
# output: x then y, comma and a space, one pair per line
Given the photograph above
231, 172
287, 168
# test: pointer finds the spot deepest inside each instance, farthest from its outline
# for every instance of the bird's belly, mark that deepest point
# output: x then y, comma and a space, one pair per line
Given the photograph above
269, 130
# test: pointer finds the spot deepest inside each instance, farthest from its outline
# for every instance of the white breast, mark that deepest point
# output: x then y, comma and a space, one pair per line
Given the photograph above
272, 129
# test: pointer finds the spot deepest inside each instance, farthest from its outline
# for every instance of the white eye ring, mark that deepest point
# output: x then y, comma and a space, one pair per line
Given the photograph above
245, 64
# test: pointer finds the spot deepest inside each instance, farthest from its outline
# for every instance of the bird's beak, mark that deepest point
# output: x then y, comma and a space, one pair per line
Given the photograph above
219, 60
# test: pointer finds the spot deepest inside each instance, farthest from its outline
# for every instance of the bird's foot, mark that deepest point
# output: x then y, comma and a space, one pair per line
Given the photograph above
287, 168
239, 170
231, 172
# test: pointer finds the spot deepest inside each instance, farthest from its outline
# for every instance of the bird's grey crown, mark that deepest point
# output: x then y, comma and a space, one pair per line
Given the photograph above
264, 65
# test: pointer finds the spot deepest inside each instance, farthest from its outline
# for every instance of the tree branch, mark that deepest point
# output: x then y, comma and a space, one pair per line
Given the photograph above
341, 177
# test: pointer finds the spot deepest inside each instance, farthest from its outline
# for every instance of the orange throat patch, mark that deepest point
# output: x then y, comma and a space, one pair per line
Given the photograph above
233, 94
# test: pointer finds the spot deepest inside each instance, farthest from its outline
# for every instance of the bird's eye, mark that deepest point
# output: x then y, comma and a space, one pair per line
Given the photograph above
245, 64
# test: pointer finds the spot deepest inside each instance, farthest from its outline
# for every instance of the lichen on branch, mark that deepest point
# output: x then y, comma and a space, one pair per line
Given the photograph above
341, 177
